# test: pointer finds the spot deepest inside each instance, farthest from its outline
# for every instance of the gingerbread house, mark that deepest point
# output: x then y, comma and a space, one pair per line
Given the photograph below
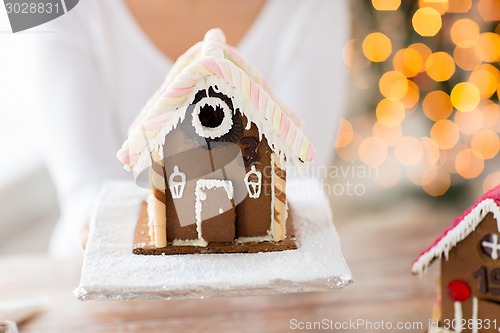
469, 288
212, 144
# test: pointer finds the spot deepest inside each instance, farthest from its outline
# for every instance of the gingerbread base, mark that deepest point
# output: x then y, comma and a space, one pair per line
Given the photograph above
142, 242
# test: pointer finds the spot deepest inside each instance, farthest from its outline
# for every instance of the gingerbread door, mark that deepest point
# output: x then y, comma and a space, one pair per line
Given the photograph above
215, 210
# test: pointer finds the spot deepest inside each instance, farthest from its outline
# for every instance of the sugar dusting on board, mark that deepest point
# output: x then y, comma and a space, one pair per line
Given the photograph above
111, 271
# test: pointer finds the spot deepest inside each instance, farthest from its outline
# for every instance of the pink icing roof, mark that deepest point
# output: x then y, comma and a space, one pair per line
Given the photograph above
462, 226
213, 58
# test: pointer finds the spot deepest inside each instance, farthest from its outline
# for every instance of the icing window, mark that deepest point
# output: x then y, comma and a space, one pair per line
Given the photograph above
490, 244
212, 118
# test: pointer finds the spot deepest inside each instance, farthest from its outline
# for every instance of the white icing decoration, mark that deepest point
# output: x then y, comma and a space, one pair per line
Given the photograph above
254, 239
176, 116
474, 315
494, 245
177, 186
468, 224
458, 316
221, 210
202, 184
189, 242
216, 132
254, 187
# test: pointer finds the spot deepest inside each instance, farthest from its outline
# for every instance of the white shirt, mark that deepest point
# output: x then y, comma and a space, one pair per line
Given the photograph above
97, 68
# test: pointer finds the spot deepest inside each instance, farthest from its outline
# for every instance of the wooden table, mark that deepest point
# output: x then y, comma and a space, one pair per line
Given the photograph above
379, 249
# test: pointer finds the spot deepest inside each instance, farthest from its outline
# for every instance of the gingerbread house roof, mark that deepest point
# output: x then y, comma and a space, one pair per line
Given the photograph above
462, 227
214, 60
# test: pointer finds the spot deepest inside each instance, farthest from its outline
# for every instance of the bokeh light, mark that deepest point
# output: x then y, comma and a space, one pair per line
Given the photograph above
485, 143
492, 180
484, 80
437, 117
441, 6
440, 66
373, 151
465, 96
489, 9
468, 163
389, 173
464, 33
423, 50
390, 112
469, 122
352, 57
345, 133
408, 61
466, 58
487, 47
412, 96
390, 135
409, 151
437, 181
386, 4
437, 105
491, 115
459, 6
377, 47
445, 133
393, 84
431, 150
427, 21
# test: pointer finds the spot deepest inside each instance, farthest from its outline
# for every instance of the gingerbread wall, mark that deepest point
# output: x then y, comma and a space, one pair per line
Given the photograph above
218, 160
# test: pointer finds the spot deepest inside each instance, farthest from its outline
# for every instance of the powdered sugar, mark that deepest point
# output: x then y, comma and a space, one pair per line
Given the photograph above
111, 271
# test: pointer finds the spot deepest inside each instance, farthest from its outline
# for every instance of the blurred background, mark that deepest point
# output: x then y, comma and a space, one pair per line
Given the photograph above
423, 115
422, 122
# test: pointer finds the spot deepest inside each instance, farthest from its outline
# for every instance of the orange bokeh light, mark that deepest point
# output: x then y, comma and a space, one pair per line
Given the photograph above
423, 50
408, 62
437, 181
431, 149
466, 58
491, 181
437, 105
459, 6
441, 6
383, 5
390, 112
464, 33
487, 47
393, 84
485, 81
410, 100
377, 47
468, 163
445, 133
409, 151
427, 21
440, 66
491, 115
465, 96
469, 122
485, 143
489, 9
390, 135
373, 151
